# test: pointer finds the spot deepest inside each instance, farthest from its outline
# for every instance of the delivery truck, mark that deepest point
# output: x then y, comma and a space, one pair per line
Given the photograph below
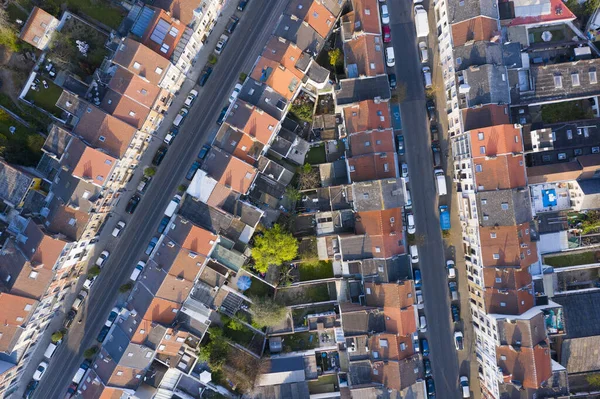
421, 22
444, 218
440, 182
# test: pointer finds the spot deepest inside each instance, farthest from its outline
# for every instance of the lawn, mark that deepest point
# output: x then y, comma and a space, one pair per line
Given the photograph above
582, 258
46, 98
259, 289
300, 341
312, 293
241, 334
325, 384
557, 35
315, 270
102, 11
566, 111
15, 12
316, 155
22, 146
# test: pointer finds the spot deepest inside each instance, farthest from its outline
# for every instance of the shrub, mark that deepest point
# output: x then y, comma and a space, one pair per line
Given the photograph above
243, 77
126, 287
57, 336
90, 352
94, 271
150, 171
212, 59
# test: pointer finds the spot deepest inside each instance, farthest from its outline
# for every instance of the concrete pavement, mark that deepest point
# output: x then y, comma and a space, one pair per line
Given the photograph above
432, 252
257, 23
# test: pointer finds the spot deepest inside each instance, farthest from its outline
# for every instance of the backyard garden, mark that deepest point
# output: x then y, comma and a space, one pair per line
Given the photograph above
102, 11
44, 94
309, 293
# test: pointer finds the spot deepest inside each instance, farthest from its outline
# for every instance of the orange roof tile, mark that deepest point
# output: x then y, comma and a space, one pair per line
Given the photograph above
474, 30
15, 309
395, 295
506, 278
253, 121
485, 116
373, 166
500, 173
320, 18
375, 141
384, 228
366, 53
554, 173
400, 321
186, 267
140, 60
390, 346
530, 366
37, 26
366, 13
125, 109
366, 116
163, 33
496, 140
183, 10
229, 170
507, 246
200, 241
174, 289
283, 80
162, 311
285, 53
134, 87
172, 342
142, 332
93, 166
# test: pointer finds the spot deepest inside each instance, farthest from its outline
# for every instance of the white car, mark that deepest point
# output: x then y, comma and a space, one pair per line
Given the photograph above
423, 324
118, 229
458, 340
451, 269
39, 371
112, 316
102, 258
190, 98
414, 254
464, 387
385, 16
410, 223
419, 295
221, 44
235, 92
404, 170
89, 282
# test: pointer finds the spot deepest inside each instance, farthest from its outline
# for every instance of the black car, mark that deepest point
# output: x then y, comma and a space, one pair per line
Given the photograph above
133, 203
392, 79
33, 384
69, 318
242, 4
430, 388
163, 224
203, 151
427, 367
205, 75
222, 116
455, 313
192, 171
434, 133
103, 333
431, 110
159, 156
233, 21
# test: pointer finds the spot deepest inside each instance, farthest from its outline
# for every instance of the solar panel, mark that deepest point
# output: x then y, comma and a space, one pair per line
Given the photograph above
160, 31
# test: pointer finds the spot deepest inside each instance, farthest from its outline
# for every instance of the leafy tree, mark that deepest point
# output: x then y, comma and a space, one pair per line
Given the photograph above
182, 188
242, 77
57, 336
94, 271
90, 352
266, 312
8, 34
150, 171
125, 287
303, 110
293, 193
212, 59
335, 58
273, 247
216, 350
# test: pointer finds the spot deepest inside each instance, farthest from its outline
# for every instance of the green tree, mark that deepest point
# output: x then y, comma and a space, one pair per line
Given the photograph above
126, 287
266, 312
273, 247
150, 171
182, 188
335, 58
90, 352
242, 77
292, 193
57, 336
216, 350
593, 380
94, 271
212, 59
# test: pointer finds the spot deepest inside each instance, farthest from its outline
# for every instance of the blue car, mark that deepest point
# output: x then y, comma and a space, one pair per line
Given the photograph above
192, 171
424, 347
203, 151
163, 224
400, 144
151, 245
222, 116
417, 279
430, 388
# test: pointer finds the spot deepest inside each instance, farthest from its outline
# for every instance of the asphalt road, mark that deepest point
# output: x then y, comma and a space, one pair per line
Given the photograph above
244, 46
432, 253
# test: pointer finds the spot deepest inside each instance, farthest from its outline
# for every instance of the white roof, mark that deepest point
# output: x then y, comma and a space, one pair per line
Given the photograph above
201, 186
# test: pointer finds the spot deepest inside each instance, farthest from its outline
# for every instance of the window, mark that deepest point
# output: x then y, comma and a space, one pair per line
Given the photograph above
575, 79
33, 275
368, 291
351, 168
20, 319
483, 201
504, 206
593, 77
28, 307
367, 143
480, 136
482, 149
569, 134
367, 11
131, 113
36, 39
102, 139
386, 167
496, 256
558, 82
137, 65
378, 249
503, 304
595, 150
158, 70
578, 151
492, 235
161, 347
527, 231
562, 156
478, 168
119, 373
498, 279
372, 65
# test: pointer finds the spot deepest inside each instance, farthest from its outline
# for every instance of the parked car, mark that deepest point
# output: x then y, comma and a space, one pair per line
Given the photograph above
427, 80
118, 228
137, 271
40, 371
390, 58
33, 384
192, 170
71, 390
221, 44
451, 269
231, 24
410, 223
422, 324
79, 300
180, 117
430, 388
458, 340
417, 278
144, 183
425, 347
427, 367
69, 318
455, 313
464, 387
453, 291
160, 155
112, 316
173, 132
87, 284
191, 97
103, 333
387, 33
204, 76
242, 5
151, 245
385, 16
235, 92
430, 104
400, 144
222, 116
419, 295
423, 52
203, 151
102, 258
392, 80
404, 170
414, 254
435, 137
163, 224
415, 342
133, 203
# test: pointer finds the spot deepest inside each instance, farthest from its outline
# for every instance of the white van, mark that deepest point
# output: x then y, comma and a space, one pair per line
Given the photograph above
414, 254
50, 351
422, 324
180, 117
427, 77
137, 271
408, 199
390, 59
79, 375
423, 52
172, 207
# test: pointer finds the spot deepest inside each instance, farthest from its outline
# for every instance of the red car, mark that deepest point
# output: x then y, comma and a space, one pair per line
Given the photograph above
387, 34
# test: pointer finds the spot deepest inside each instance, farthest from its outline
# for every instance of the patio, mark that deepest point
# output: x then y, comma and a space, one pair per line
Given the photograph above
550, 197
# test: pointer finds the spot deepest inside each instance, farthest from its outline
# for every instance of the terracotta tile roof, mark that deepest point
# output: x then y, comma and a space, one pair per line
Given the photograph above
507, 246
506, 278
373, 166
499, 173
169, 344
474, 30
366, 14
134, 87
15, 309
112, 393
285, 53
496, 140
366, 116
507, 302
320, 18
375, 141
485, 116
102, 130
390, 347
140, 60
66, 220
394, 295
384, 227
400, 321
364, 56
253, 121
200, 241
174, 289
229, 170
238, 144
124, 377
37, 26
397, 375
182, 10
162, 311
283, 80
530, 367
125, 109
142, 332
163, 33
41, 248
551, 17
89, 164
186, 267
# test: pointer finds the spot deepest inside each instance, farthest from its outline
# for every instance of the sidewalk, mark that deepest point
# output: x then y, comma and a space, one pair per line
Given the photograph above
105, 240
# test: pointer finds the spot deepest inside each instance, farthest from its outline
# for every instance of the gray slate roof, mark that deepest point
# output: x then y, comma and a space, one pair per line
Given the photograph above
57, 141
264, 97
461, 10
14, 184
580, 355
378, 195
354, 90
582, 313
516, 202
478, 53
305, 37
488, 84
